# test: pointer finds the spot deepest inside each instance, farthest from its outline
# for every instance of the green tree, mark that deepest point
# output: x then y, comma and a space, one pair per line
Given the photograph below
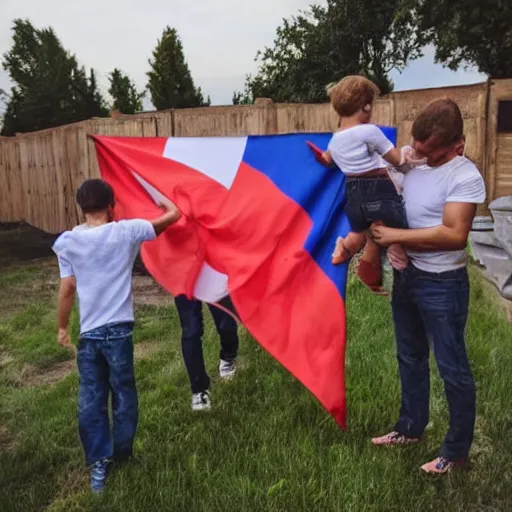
242, 98
127, 99
472, 32
170, 81
89, 101
326, 43
4, 99
50, 89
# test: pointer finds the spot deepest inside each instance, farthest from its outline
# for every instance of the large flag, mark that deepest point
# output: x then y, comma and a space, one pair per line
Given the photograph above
260, 220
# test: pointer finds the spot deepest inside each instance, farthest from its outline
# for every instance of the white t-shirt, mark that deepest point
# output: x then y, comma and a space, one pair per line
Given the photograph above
359, 149
101, 259
426, 190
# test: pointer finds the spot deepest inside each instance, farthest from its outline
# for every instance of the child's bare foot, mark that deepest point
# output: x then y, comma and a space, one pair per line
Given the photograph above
340, 254
370, 275
398, 257
347, 247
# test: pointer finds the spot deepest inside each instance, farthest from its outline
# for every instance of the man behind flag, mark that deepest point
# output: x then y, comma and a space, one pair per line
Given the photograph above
260, 218
190, 312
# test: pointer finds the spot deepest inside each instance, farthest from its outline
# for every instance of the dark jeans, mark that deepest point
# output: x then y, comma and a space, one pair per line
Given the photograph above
105, 363
374, 199
191, 320
433, 308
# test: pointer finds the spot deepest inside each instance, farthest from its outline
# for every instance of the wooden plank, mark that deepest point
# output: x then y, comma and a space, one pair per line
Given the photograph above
148, 127
499, 90
164, 122
64, 147
504, 165
295, 118
11, 189
221, 121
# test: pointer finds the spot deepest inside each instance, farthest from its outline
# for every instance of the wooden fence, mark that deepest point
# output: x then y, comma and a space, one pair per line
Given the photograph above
40, 171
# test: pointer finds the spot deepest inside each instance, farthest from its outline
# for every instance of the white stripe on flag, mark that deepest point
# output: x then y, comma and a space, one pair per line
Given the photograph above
152, 191
211, 286
216, 157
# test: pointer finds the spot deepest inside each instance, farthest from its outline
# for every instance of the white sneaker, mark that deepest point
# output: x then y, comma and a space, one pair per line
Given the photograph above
201, 401
227, 369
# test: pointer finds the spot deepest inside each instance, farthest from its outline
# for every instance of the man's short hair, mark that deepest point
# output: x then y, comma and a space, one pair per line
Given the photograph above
352, 94
441, 119
95, 196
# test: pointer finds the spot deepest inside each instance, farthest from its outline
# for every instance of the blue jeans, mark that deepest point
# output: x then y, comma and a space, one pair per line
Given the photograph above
374, 199
191, 320
433, 308
105, 363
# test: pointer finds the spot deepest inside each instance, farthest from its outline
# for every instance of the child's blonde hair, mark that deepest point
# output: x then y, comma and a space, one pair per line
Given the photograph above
351, 94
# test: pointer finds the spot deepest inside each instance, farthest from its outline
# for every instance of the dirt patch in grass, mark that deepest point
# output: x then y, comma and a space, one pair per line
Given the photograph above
22, 246
44, 283
5, 437
146, 291
5, 359
22, 284
31, 376
145, 350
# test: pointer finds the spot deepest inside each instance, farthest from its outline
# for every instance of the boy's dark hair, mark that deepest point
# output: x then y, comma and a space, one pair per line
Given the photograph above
95, 196
441, 119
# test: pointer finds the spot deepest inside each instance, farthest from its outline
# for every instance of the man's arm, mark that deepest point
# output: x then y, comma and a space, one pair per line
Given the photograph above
171, 215
65, 306
451, 235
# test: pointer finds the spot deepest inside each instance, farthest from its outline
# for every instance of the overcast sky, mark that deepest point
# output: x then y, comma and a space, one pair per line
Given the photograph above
220, 38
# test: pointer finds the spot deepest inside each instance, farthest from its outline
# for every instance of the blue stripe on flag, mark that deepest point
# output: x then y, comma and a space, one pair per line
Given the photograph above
290, 164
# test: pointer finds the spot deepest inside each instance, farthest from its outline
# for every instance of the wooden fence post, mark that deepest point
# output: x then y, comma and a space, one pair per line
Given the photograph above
271, 114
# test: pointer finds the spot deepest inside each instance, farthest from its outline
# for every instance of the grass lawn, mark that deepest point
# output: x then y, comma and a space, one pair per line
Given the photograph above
266, 444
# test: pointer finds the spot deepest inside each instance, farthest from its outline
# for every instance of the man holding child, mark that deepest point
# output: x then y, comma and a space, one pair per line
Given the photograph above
431, 296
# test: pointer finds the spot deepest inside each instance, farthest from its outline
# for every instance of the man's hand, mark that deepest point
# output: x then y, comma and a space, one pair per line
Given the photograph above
451, 235
167, 205
171, 215
383, 235
64, 340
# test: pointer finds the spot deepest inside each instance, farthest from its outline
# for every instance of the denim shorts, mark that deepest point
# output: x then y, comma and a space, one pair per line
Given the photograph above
374, 199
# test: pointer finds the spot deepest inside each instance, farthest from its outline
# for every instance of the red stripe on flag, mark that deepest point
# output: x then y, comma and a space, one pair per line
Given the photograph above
280, 293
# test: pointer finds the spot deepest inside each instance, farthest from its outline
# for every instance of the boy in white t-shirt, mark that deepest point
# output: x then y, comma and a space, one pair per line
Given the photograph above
96, 262
363, 153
